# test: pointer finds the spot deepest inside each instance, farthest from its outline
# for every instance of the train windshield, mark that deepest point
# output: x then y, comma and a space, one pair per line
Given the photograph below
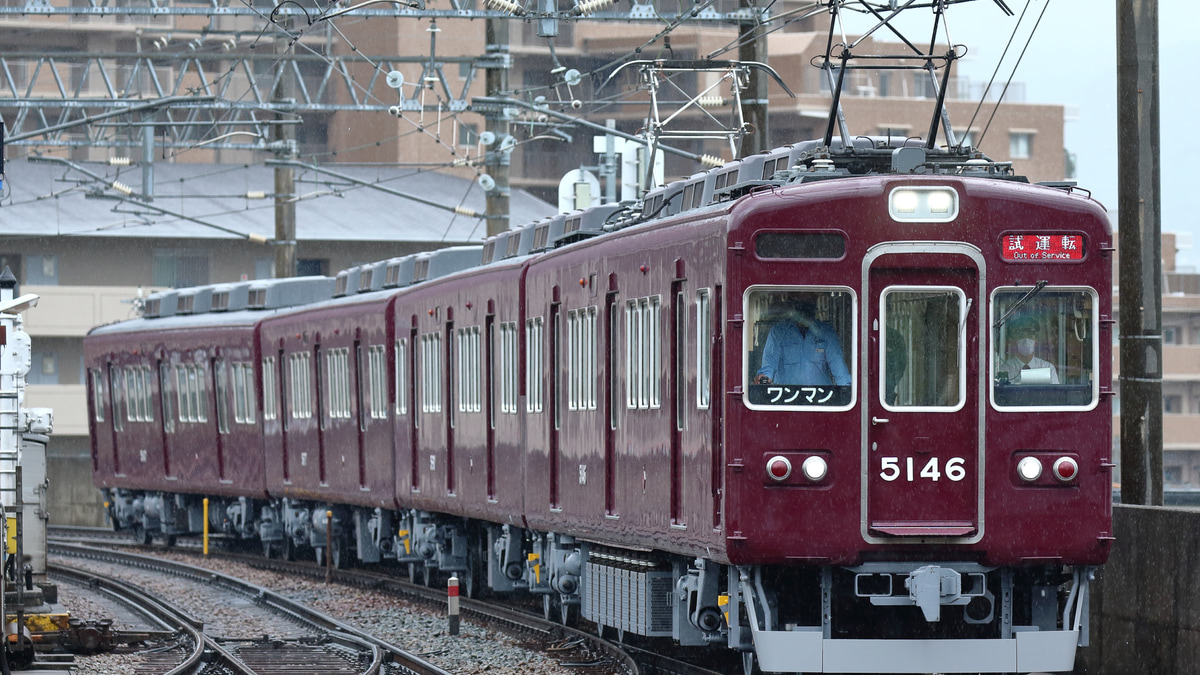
1044, 350
925, 348
800, 347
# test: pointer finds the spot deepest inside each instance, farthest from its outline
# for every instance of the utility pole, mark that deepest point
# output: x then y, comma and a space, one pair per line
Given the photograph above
1140, 244
752, 46
498, 154
283, 142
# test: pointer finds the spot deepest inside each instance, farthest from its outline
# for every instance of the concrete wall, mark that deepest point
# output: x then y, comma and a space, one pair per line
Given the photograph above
1146, 604
73, 499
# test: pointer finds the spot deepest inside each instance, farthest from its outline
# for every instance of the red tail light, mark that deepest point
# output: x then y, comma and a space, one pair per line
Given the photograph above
779, 468
1066, 469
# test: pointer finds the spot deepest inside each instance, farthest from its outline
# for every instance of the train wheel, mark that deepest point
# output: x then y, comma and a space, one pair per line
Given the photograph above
140, 535
170, 540
412, 573
427, 578
748, 663
287, 549
268, 549
550, 607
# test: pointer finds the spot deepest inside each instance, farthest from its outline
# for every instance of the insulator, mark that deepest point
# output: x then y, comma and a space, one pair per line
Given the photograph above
119, 161
588, 7
464, 211
256, 194
256, 238
506, 6
122, 188
711, 101
711, 160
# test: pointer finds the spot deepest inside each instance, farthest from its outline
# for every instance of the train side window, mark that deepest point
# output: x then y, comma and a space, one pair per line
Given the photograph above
243, 393
301, 385
115, 387
1044, 351
401, 382
377, 359
508, 368
221, 386
97, 394
643, 353
269, 388
164, 386
799, 346
703, 349
469, 398
431, 373
925, 355
581, 329
533, 364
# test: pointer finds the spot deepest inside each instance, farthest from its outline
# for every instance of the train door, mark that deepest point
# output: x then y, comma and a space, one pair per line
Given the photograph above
923, 445
167, 413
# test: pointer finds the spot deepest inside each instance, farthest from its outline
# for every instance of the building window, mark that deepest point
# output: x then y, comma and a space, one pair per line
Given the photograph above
41, 270
44, 370
468, 134
1172, 405
312, 267
180, 268
1172, 335
1020, 145
1173, 475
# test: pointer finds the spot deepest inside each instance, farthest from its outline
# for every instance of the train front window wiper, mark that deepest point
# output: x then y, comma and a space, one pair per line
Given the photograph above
1037, 288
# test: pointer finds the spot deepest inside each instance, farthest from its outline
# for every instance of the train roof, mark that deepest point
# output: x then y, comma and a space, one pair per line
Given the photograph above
708, 190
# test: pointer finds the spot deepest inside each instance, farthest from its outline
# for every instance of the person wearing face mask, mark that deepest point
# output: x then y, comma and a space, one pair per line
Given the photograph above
801, 350
1022, 336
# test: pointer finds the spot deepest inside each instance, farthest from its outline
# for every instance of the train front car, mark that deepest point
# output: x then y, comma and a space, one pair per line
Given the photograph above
919, 469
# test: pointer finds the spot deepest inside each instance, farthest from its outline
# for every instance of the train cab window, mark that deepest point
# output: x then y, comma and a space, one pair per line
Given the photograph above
799, 347
1044, 351
924, 348
97, 394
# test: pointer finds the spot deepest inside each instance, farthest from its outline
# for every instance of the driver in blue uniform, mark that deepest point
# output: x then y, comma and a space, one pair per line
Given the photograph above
801, 350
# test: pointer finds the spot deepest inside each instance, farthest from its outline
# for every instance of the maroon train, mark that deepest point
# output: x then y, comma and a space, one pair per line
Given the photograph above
572, 411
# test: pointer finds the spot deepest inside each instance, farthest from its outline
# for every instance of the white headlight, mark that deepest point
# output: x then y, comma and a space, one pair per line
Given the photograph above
923, 204
814, 468
1029, 469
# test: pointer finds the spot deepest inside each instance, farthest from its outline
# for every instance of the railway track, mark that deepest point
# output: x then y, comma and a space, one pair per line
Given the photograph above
589, 648
333, 648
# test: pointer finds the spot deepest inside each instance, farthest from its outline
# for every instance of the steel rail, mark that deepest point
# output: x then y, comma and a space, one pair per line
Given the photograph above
163, 613
341, 632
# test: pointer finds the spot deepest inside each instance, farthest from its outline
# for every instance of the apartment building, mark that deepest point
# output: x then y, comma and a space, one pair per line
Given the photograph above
1181, 375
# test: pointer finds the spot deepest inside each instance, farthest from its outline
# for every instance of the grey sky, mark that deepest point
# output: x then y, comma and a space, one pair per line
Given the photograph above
1072, 61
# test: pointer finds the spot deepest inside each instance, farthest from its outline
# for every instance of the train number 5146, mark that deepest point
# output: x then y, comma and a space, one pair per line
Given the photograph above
892, 469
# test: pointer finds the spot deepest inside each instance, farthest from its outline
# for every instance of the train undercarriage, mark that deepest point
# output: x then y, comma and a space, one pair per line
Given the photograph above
911, 616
